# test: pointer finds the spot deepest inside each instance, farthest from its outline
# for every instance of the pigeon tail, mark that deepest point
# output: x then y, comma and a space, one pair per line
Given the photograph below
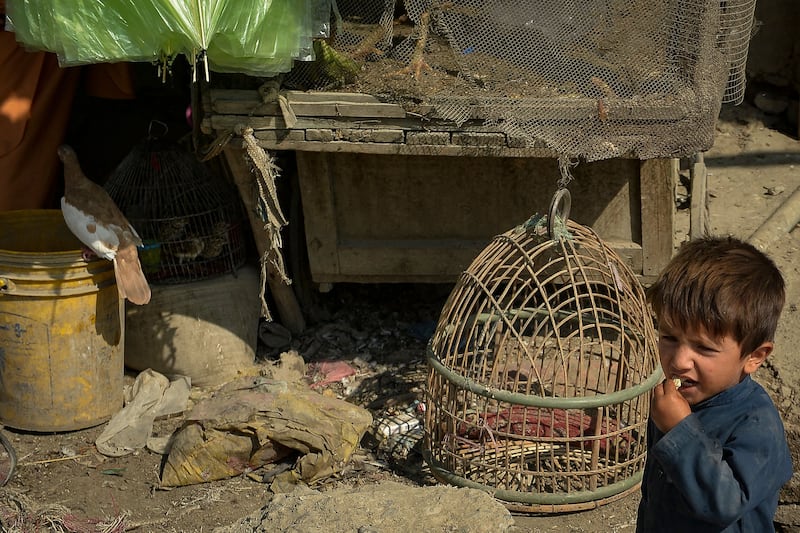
130, 279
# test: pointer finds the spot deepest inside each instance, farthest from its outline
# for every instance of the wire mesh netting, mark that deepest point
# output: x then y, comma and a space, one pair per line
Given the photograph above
589, 78
541, 367
596, 79
191, 221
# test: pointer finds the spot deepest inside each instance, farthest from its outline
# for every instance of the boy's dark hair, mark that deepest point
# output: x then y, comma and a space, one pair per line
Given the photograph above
723, 284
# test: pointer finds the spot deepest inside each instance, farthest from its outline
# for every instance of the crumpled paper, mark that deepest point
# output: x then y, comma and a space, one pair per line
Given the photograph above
255, 421
152, 395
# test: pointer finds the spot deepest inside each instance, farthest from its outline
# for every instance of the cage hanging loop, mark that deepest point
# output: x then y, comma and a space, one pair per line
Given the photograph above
559, 209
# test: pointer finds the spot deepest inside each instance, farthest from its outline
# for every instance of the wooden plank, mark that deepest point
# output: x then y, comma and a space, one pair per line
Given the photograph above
658, 177
372, 135
287, 306
698, 209
305, 109
307, 104
555, 114
354, 98
629, 252
342, 109
328, 146
557, 110
326, 141
433, 261
230, 122
406, 149
319, 212
425, 218
566, 102
245, 95
280, 135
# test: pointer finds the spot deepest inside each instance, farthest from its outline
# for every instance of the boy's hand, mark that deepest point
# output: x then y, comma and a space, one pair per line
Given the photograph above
668, 406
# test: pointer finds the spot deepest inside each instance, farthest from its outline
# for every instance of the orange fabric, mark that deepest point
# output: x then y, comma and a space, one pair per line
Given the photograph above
113, 81
35, 101
36, 98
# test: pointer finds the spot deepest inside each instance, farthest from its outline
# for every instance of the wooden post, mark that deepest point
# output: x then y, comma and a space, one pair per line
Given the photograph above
698, 211
658, 212
288, 308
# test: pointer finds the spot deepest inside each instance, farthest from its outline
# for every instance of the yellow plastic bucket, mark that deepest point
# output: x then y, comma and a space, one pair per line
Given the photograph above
61, 328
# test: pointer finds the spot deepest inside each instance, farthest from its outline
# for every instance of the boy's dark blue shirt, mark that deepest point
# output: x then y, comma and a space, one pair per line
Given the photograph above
720, 469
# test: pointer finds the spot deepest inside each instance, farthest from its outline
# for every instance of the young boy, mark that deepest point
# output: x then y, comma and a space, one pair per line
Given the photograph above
717, 453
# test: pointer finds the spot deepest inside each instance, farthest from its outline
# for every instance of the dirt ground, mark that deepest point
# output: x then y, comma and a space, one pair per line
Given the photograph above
63, 482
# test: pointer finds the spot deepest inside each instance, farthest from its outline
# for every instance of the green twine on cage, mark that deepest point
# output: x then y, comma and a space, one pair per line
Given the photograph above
536, 226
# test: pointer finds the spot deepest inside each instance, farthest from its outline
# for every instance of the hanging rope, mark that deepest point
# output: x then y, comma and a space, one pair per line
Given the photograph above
565, 163
269, 209
266, 172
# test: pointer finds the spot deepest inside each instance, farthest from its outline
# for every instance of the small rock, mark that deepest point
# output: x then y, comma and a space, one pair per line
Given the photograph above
385, 506
67, 451
774, 191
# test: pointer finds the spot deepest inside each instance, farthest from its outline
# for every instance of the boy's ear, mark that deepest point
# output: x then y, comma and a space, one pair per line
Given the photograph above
755, 358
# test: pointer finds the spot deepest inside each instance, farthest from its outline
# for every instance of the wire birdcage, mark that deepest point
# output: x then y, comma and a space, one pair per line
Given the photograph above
190, 220
541, 367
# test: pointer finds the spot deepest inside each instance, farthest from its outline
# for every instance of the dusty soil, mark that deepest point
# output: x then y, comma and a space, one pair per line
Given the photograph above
63, 482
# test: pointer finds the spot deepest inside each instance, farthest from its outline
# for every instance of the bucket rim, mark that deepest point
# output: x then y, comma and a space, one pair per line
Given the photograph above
61, 258
66, 258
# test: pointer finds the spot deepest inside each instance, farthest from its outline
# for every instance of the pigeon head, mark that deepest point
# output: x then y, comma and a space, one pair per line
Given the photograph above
67, 154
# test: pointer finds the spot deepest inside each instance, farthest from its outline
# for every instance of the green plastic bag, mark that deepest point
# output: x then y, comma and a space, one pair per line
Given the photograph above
257, 37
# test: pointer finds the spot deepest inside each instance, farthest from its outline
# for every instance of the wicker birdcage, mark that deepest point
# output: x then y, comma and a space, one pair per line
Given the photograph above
541, 367
191, 220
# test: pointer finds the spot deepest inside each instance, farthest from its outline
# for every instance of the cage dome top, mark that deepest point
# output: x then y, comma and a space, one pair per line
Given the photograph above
548, 318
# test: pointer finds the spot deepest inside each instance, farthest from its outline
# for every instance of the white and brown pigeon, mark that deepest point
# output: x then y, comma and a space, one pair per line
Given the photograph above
94, 218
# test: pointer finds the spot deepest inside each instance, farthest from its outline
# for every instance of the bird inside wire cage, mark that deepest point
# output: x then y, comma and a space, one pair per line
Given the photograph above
190, 219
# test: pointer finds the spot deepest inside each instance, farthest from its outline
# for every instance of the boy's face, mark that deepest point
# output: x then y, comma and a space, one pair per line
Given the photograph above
705, 365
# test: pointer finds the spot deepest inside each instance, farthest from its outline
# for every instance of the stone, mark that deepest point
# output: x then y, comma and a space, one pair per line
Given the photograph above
387, 507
